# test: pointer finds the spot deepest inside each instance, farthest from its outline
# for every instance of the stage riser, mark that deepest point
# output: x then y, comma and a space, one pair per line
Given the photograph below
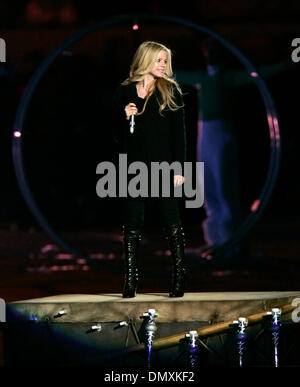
37, 335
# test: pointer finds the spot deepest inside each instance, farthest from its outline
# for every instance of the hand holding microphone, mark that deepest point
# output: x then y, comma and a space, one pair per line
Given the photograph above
130, 111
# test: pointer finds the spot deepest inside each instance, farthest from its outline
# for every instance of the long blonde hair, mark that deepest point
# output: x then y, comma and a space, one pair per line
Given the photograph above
143, 62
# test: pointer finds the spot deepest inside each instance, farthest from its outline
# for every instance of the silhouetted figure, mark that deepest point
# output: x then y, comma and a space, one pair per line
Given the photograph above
216, 142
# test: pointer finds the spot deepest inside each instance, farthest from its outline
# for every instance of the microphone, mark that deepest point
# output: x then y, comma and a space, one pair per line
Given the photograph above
132, 123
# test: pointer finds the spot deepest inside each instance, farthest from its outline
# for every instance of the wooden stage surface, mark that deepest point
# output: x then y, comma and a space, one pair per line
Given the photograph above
206, 306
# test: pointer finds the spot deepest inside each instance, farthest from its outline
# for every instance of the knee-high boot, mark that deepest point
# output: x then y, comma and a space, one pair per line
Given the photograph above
176, 241
131, 239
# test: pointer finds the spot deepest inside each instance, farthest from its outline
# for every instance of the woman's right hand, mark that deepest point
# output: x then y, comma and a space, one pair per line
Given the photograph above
130, 110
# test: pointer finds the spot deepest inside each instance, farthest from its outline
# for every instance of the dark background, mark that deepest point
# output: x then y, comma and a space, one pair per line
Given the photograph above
67, 132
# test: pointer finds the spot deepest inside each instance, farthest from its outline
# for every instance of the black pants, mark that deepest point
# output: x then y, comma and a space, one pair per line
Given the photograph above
134, 211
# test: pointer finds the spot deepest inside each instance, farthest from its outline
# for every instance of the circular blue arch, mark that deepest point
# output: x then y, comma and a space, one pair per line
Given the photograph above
272, 119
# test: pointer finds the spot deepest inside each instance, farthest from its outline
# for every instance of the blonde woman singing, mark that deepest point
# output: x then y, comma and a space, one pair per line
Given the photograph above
154, 98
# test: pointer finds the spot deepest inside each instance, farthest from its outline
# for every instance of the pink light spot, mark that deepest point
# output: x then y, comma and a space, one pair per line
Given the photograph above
222, 273
255, 205
64, 256
135, 27
97, 256
254, 74
17, 133
111, 256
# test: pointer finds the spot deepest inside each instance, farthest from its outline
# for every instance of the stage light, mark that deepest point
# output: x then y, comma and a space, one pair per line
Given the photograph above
123, 324
193, 337
243, 322
135, 26
96, 328
60, 313
150, 328
193, 348
17, 133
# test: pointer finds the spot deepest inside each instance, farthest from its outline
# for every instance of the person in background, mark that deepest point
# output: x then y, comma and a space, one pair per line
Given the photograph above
216, 141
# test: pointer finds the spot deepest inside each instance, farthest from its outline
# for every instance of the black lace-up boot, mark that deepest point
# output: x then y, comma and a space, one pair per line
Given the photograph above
131, 241
176, 241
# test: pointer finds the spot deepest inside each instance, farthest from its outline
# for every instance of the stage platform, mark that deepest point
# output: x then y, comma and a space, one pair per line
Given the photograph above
210, 306
58, 330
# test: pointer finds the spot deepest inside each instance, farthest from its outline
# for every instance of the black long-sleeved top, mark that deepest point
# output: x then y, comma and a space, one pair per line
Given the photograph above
156, 137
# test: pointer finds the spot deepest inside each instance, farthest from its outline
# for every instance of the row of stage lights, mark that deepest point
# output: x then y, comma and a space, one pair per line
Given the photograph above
240, 328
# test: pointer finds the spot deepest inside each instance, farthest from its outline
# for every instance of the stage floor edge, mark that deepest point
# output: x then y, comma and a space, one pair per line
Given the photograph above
207, 306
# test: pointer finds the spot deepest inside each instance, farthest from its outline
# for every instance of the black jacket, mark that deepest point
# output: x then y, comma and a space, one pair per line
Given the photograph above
156, 137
